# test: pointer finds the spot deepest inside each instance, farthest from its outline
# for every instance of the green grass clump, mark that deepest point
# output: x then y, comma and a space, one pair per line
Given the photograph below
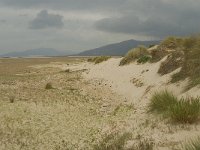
99, 59
113, 142
193, 145
185, 110
144, 59
162, 101
133, 55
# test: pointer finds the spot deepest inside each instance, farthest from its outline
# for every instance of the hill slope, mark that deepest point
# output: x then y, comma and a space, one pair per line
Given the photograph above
116, 49
34, 52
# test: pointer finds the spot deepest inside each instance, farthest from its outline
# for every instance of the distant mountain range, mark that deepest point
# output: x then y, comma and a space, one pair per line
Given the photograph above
117, 49
35, 53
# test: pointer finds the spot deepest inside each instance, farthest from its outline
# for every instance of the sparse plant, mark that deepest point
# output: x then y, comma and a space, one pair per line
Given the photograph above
48, 86
134, 54
145, 145
113, 141
99, 59
185, 110
162, 101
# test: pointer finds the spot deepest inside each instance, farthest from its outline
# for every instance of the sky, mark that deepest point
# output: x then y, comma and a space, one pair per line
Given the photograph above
77, 25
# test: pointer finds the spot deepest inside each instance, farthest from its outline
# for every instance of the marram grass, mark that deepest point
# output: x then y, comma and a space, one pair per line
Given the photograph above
184, 110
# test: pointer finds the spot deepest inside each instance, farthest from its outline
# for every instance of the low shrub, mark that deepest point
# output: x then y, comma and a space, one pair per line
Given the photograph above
133, 55
99, 59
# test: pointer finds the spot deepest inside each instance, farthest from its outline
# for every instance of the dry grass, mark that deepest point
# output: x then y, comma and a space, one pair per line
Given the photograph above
184, 53
113, 141
63, 118
143, 145
193, 144
133, 55
171, 43
99, 59
173, 62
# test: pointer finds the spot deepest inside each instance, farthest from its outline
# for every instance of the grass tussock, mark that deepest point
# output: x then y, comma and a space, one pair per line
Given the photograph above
134, 54
99, 59
113, 141
162, 101
193, 145
185, 110
144, 59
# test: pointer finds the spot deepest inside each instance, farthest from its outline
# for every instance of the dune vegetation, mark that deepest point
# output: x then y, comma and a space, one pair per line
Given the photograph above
181, 53
99, 59
184, 110
140, 53
192, 144
184, 53
62, 103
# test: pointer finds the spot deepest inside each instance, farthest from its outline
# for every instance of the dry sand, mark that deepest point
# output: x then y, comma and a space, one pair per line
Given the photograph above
135, 84
86, 103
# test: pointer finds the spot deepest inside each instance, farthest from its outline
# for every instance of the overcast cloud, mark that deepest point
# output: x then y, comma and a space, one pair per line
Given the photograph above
46, 20
83, 24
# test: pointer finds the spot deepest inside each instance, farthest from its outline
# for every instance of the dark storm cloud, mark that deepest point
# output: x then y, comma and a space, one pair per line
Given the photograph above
64, 4
158, 18
3, 21
46, 20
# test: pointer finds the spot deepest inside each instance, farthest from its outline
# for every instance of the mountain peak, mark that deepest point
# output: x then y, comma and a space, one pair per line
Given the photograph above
116, 49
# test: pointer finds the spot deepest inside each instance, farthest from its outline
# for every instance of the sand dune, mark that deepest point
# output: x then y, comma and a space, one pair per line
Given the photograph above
135, 84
